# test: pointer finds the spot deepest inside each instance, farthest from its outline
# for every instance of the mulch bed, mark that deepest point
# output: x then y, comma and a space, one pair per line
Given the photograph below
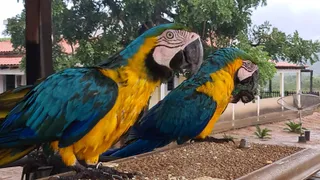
225, 161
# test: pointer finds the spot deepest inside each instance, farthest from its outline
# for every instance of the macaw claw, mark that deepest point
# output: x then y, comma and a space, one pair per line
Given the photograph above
213, 139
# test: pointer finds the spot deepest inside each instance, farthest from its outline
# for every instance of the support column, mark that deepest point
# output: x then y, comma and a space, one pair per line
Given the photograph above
23, 80
298, 81
38, 33
163, 90
46, 38
15, 81
1, 83
270, 85
311, 81
282, 87
258, 103
175, 82
298, 87
32, 40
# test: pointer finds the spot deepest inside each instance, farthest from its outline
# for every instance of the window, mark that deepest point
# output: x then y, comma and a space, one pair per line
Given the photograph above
170, 85
10, 82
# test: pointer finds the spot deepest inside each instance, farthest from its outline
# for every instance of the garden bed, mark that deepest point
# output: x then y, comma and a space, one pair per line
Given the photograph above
225, 161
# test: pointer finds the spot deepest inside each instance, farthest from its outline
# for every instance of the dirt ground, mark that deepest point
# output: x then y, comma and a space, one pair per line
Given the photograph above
224, 161
279, 136
12, 173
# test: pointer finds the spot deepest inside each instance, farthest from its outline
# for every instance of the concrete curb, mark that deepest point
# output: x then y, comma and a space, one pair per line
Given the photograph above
298, 166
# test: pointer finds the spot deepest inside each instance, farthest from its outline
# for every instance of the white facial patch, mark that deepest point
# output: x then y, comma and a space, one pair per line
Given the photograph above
246, 70
170, 42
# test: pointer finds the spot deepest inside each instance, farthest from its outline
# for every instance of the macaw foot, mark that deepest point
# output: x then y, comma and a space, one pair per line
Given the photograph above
33, 164
99, 172
79, 167
215, 140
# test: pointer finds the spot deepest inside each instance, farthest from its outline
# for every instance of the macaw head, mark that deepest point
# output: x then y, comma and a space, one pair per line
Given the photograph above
163, 50
246, 82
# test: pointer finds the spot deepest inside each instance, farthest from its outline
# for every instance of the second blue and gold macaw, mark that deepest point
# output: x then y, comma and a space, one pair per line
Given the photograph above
191, 110
81, 112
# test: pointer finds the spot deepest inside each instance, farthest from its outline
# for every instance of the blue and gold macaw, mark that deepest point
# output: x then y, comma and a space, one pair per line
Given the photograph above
191, 110
81, 112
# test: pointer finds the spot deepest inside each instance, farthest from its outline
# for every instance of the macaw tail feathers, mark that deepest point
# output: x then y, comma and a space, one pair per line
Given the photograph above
137, 147
12, 154
10, 98
111, 151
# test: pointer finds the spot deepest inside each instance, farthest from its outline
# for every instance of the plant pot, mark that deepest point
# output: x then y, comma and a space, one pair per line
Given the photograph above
307, 135
302, 139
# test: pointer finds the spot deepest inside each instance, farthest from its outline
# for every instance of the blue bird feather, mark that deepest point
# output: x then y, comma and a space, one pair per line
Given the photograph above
182, 114
49, 112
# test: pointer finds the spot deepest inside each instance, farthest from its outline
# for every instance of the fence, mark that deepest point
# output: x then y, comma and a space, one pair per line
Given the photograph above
264, 95
262, 111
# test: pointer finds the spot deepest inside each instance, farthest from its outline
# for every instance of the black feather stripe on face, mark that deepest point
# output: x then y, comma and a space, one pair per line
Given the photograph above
157, 72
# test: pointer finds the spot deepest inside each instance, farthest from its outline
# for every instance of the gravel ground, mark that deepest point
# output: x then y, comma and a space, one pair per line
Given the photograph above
224, 161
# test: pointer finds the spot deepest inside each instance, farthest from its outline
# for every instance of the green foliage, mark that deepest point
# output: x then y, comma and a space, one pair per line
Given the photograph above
260, 57
281, 46
262, 133
16, 29
299, 50
4, 39
294, 127
102, 27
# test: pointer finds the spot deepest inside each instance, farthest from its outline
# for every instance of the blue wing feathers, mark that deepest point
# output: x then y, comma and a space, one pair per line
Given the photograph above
138, 147
65, 106
180, 116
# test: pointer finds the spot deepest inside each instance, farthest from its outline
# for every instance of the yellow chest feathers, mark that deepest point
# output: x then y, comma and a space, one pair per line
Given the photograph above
219, 90
134, 91
133, 96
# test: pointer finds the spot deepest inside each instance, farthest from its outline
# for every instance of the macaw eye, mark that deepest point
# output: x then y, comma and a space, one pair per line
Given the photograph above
169, 35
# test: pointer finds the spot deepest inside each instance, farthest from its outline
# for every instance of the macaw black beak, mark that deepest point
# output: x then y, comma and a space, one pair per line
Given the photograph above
244, 96
247, 95
188, 60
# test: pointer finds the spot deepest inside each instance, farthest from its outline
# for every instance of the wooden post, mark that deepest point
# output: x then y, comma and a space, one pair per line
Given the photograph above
46, 38
38, 39
32, 40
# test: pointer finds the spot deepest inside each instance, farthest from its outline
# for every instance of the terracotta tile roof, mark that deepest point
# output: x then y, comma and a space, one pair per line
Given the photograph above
66, 47
6, 49
10, 61
287, 65
6, 46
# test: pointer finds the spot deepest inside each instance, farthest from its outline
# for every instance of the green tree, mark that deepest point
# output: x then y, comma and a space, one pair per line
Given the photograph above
267, 70
281, 46
98, 28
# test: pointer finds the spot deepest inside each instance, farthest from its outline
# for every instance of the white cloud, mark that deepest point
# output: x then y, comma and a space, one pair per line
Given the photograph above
291, 15
9, 9
296, 6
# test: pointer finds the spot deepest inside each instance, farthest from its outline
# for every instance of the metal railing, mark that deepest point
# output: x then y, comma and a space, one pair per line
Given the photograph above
264, 94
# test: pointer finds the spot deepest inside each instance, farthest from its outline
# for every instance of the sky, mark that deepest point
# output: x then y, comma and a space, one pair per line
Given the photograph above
291, 15
287, 15
8, 9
